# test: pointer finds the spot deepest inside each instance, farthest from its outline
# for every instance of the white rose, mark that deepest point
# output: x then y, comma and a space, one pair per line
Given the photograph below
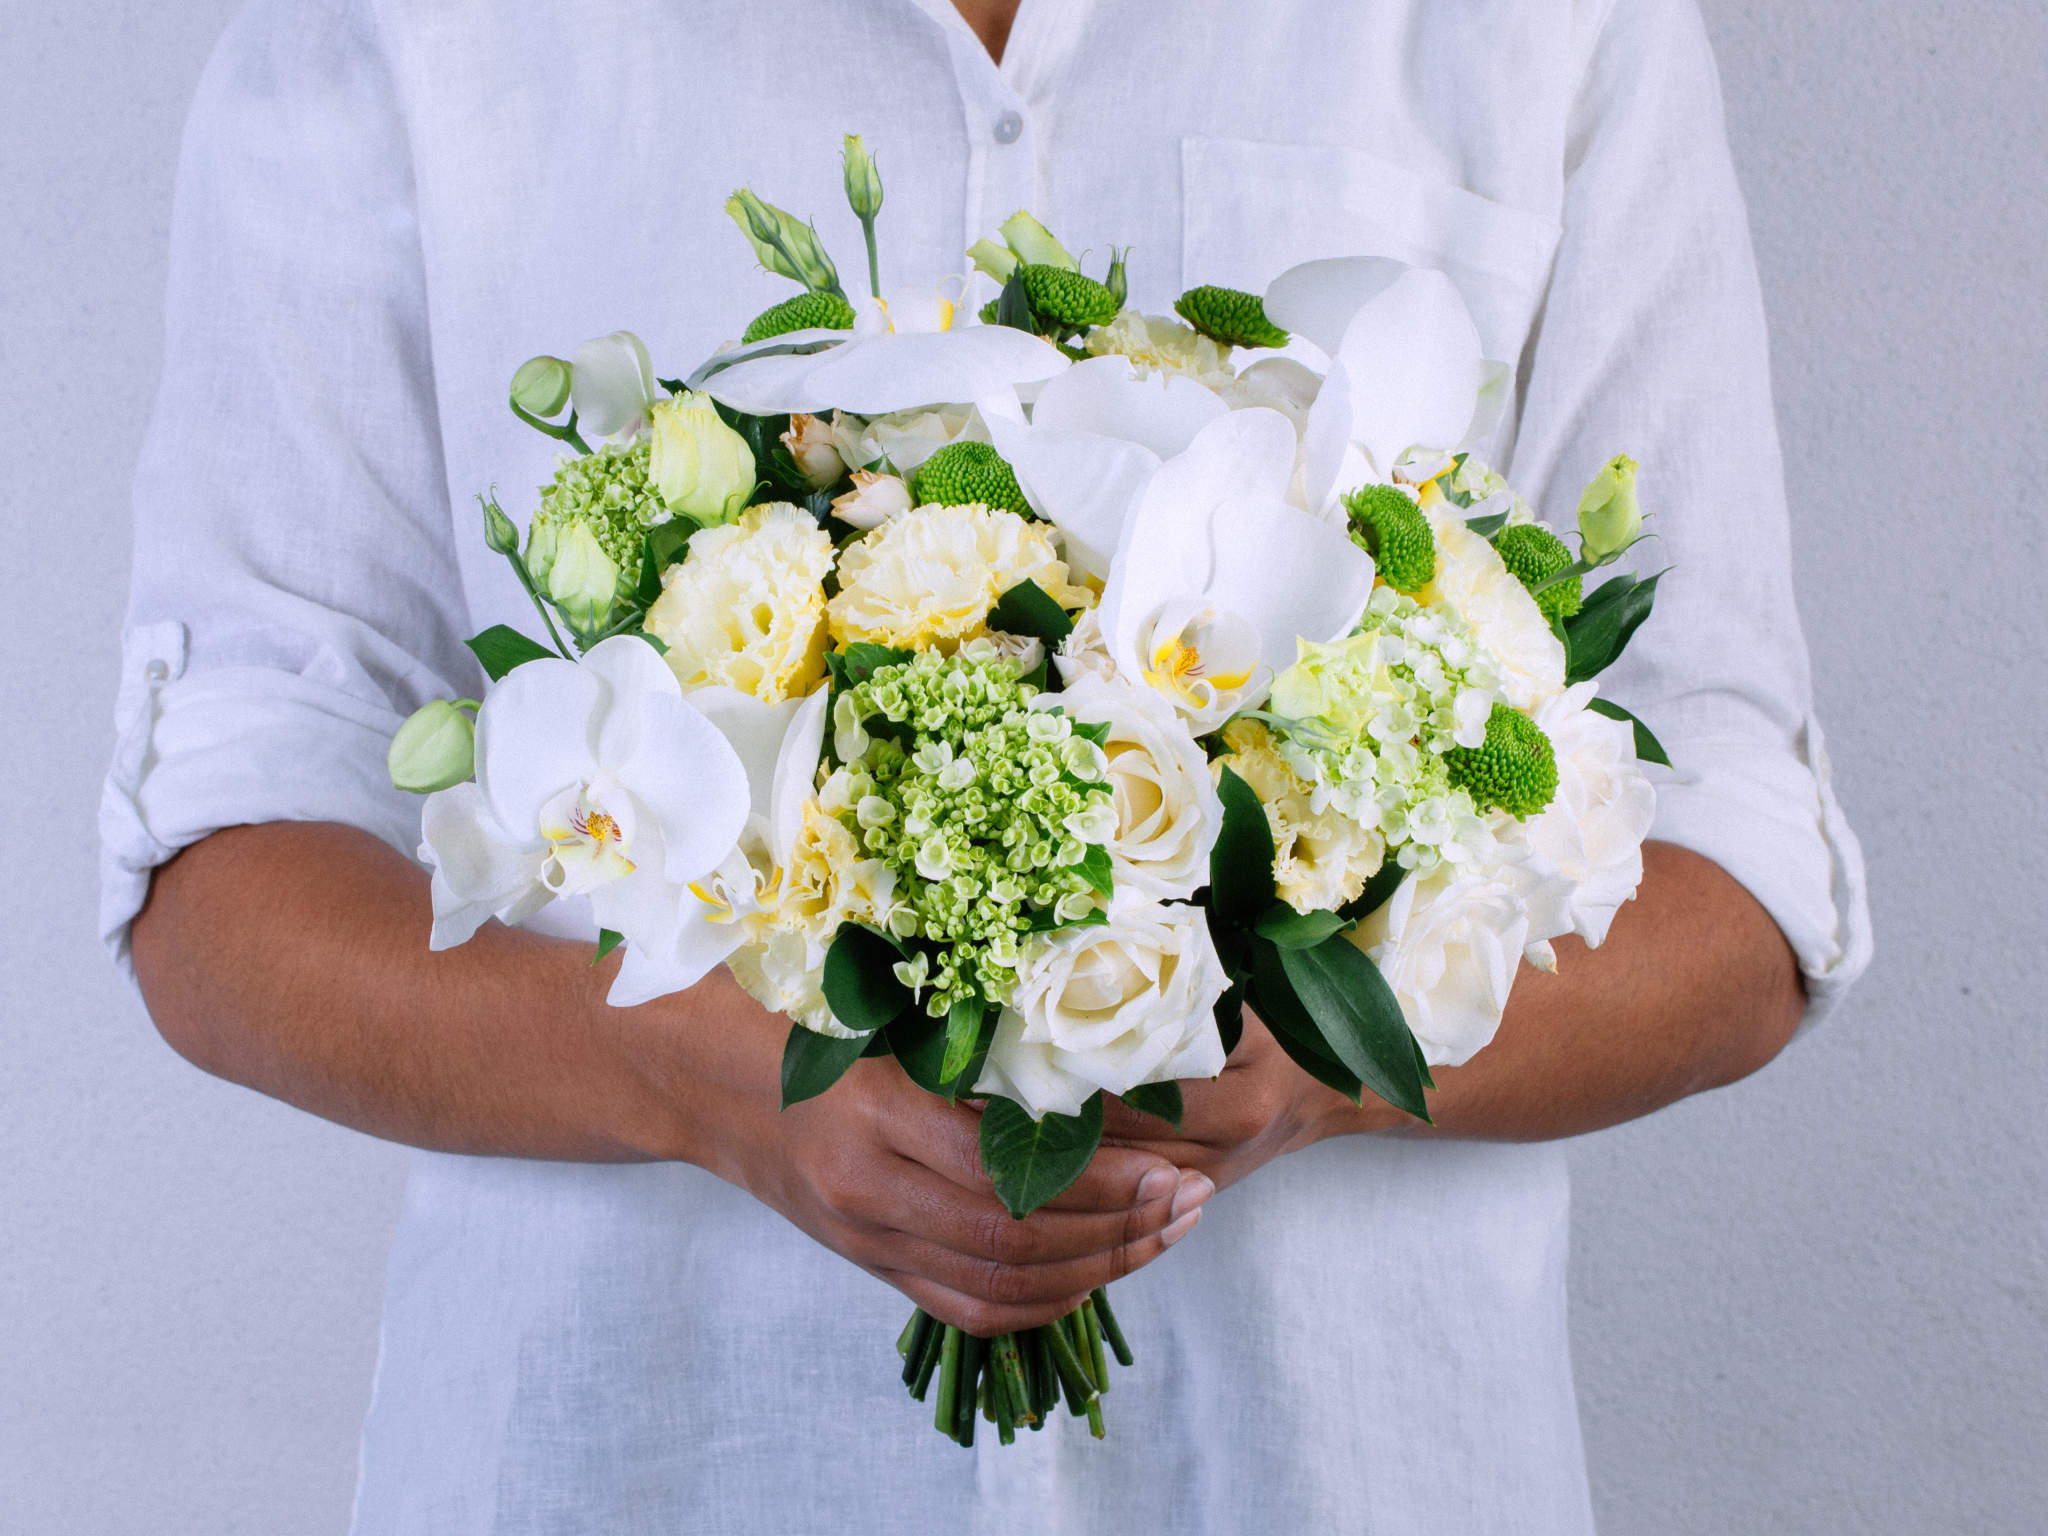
1167, 810
810, 445
1503, 616
873, 500
1585, 850
1449, 945
904, 438
1109, 1006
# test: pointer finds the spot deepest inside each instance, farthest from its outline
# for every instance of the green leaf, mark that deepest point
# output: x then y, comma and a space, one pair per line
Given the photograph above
1359, 1019
607, 941
1097, 868
665, 544
1096, 731
660, 645
1160, 1100
1486, 527
860, 979
963, 1034
1013, 305
501, 648
861, 661
1272, 997
919, 1041
1648, 747
1230, 1016
1379, 890
812, 1062
1033, 1161
1241, 863
1298, 930
1028, 609
1597, 634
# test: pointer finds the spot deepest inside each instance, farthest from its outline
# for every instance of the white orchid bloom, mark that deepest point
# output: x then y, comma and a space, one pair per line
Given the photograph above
912, 309
780, 745
902, 360
1406, 369
594, 778
612, 386
1216, 576
1096, 435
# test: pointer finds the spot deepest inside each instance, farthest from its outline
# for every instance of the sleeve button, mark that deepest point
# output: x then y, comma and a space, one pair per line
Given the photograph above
1009, 128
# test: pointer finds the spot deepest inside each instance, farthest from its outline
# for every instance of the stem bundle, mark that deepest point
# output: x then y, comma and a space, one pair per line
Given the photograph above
1015, 1379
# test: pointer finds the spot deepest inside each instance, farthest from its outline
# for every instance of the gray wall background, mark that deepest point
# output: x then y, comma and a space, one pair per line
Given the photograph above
1816, 1302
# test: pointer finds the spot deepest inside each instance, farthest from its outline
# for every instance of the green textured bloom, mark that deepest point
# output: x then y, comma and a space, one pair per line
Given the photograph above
1533, 554
1515, 770
807, 311
993, 816
1394, 531
610, 497
1229, 315
962, 474
1066, 296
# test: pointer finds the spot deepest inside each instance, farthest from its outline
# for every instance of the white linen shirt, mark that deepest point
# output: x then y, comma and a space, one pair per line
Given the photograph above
385, 205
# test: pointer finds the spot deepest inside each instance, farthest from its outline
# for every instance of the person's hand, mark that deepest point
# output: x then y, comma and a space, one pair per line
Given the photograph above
889, 1176
1260, 1106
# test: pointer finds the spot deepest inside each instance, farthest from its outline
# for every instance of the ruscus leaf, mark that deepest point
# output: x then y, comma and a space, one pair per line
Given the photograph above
1289, 929
1359, 1019
1241, 863
1028, 609
1648, 747
501, 648
812, 1062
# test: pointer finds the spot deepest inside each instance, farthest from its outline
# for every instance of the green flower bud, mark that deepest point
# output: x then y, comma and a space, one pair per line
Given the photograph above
1609, 518
499, 530
541, 386
1067, 296
1393, 530
1034, 243
1118, 283
863, 180
783, 243
1533, 555
963, 473
582, 580
1515, 769
998, 261
807, 311
1229, 315
700, 466
435, 749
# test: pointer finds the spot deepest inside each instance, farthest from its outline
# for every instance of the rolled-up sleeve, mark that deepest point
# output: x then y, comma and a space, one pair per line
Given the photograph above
1652, 342
295, 592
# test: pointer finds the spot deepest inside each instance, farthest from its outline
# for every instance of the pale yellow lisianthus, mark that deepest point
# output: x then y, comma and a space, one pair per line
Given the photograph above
826, 882
1160, 345
1321, 859
926, 580
746, 607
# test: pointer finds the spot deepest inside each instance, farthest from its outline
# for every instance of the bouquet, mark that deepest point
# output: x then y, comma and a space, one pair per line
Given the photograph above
1024, 690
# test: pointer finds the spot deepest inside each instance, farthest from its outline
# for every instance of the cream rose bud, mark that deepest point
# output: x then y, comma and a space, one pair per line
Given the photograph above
1168, 813
809, 441
873, 500
1109, 1006
1449, 945
1585, 851
702, 467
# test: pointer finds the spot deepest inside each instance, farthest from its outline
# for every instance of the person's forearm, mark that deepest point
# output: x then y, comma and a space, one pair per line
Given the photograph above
1694, 988
292, 958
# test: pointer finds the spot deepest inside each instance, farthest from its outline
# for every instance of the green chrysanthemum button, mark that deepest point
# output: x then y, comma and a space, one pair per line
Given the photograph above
961, 474
1515, 770
807, 311
1533, 554
1394, 531
1229, 315
1068, 297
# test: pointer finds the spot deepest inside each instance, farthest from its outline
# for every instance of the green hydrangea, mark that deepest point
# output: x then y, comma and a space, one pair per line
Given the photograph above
609, 491
1533, 554
961, 474
1067, 297
807, 311
993, 816
1393, 530
1230, 315
1516, 769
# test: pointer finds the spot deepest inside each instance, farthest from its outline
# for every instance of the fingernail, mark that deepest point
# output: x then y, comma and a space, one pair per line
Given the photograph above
1157, 1185
1180, 1229
1194, 1189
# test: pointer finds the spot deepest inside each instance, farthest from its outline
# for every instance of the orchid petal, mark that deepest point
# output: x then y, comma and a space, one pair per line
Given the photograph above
872, 375
1318, 298
1292, 575
796, 773
480, 869
1082, 483
671, 942
612, 385
534, 739
1105, 395
1414, 366
754, 730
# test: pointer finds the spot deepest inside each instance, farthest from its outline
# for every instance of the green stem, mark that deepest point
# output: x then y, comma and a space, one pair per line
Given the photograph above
972, 1352
1073, 1377
1556, 578
564, 432
914, 1345
909, 1332
945, 1412
934, 1347
533, 591
1095, 1427
1009, 1366
1093, 1326
867, 227
1110, 1331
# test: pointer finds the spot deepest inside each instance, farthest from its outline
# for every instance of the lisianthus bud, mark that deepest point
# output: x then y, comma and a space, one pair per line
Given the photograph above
582, 580
1118, 282
863, 180
873, 500
701, 467
434, 749
1034, 243
541, 386
782, 242
998, 261
809, 441
499, 530
1609, 518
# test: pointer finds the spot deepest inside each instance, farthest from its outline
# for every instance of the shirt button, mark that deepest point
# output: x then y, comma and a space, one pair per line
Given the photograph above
156, 672
1009, 128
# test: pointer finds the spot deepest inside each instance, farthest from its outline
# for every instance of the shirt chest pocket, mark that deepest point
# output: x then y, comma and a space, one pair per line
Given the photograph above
1251, 210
